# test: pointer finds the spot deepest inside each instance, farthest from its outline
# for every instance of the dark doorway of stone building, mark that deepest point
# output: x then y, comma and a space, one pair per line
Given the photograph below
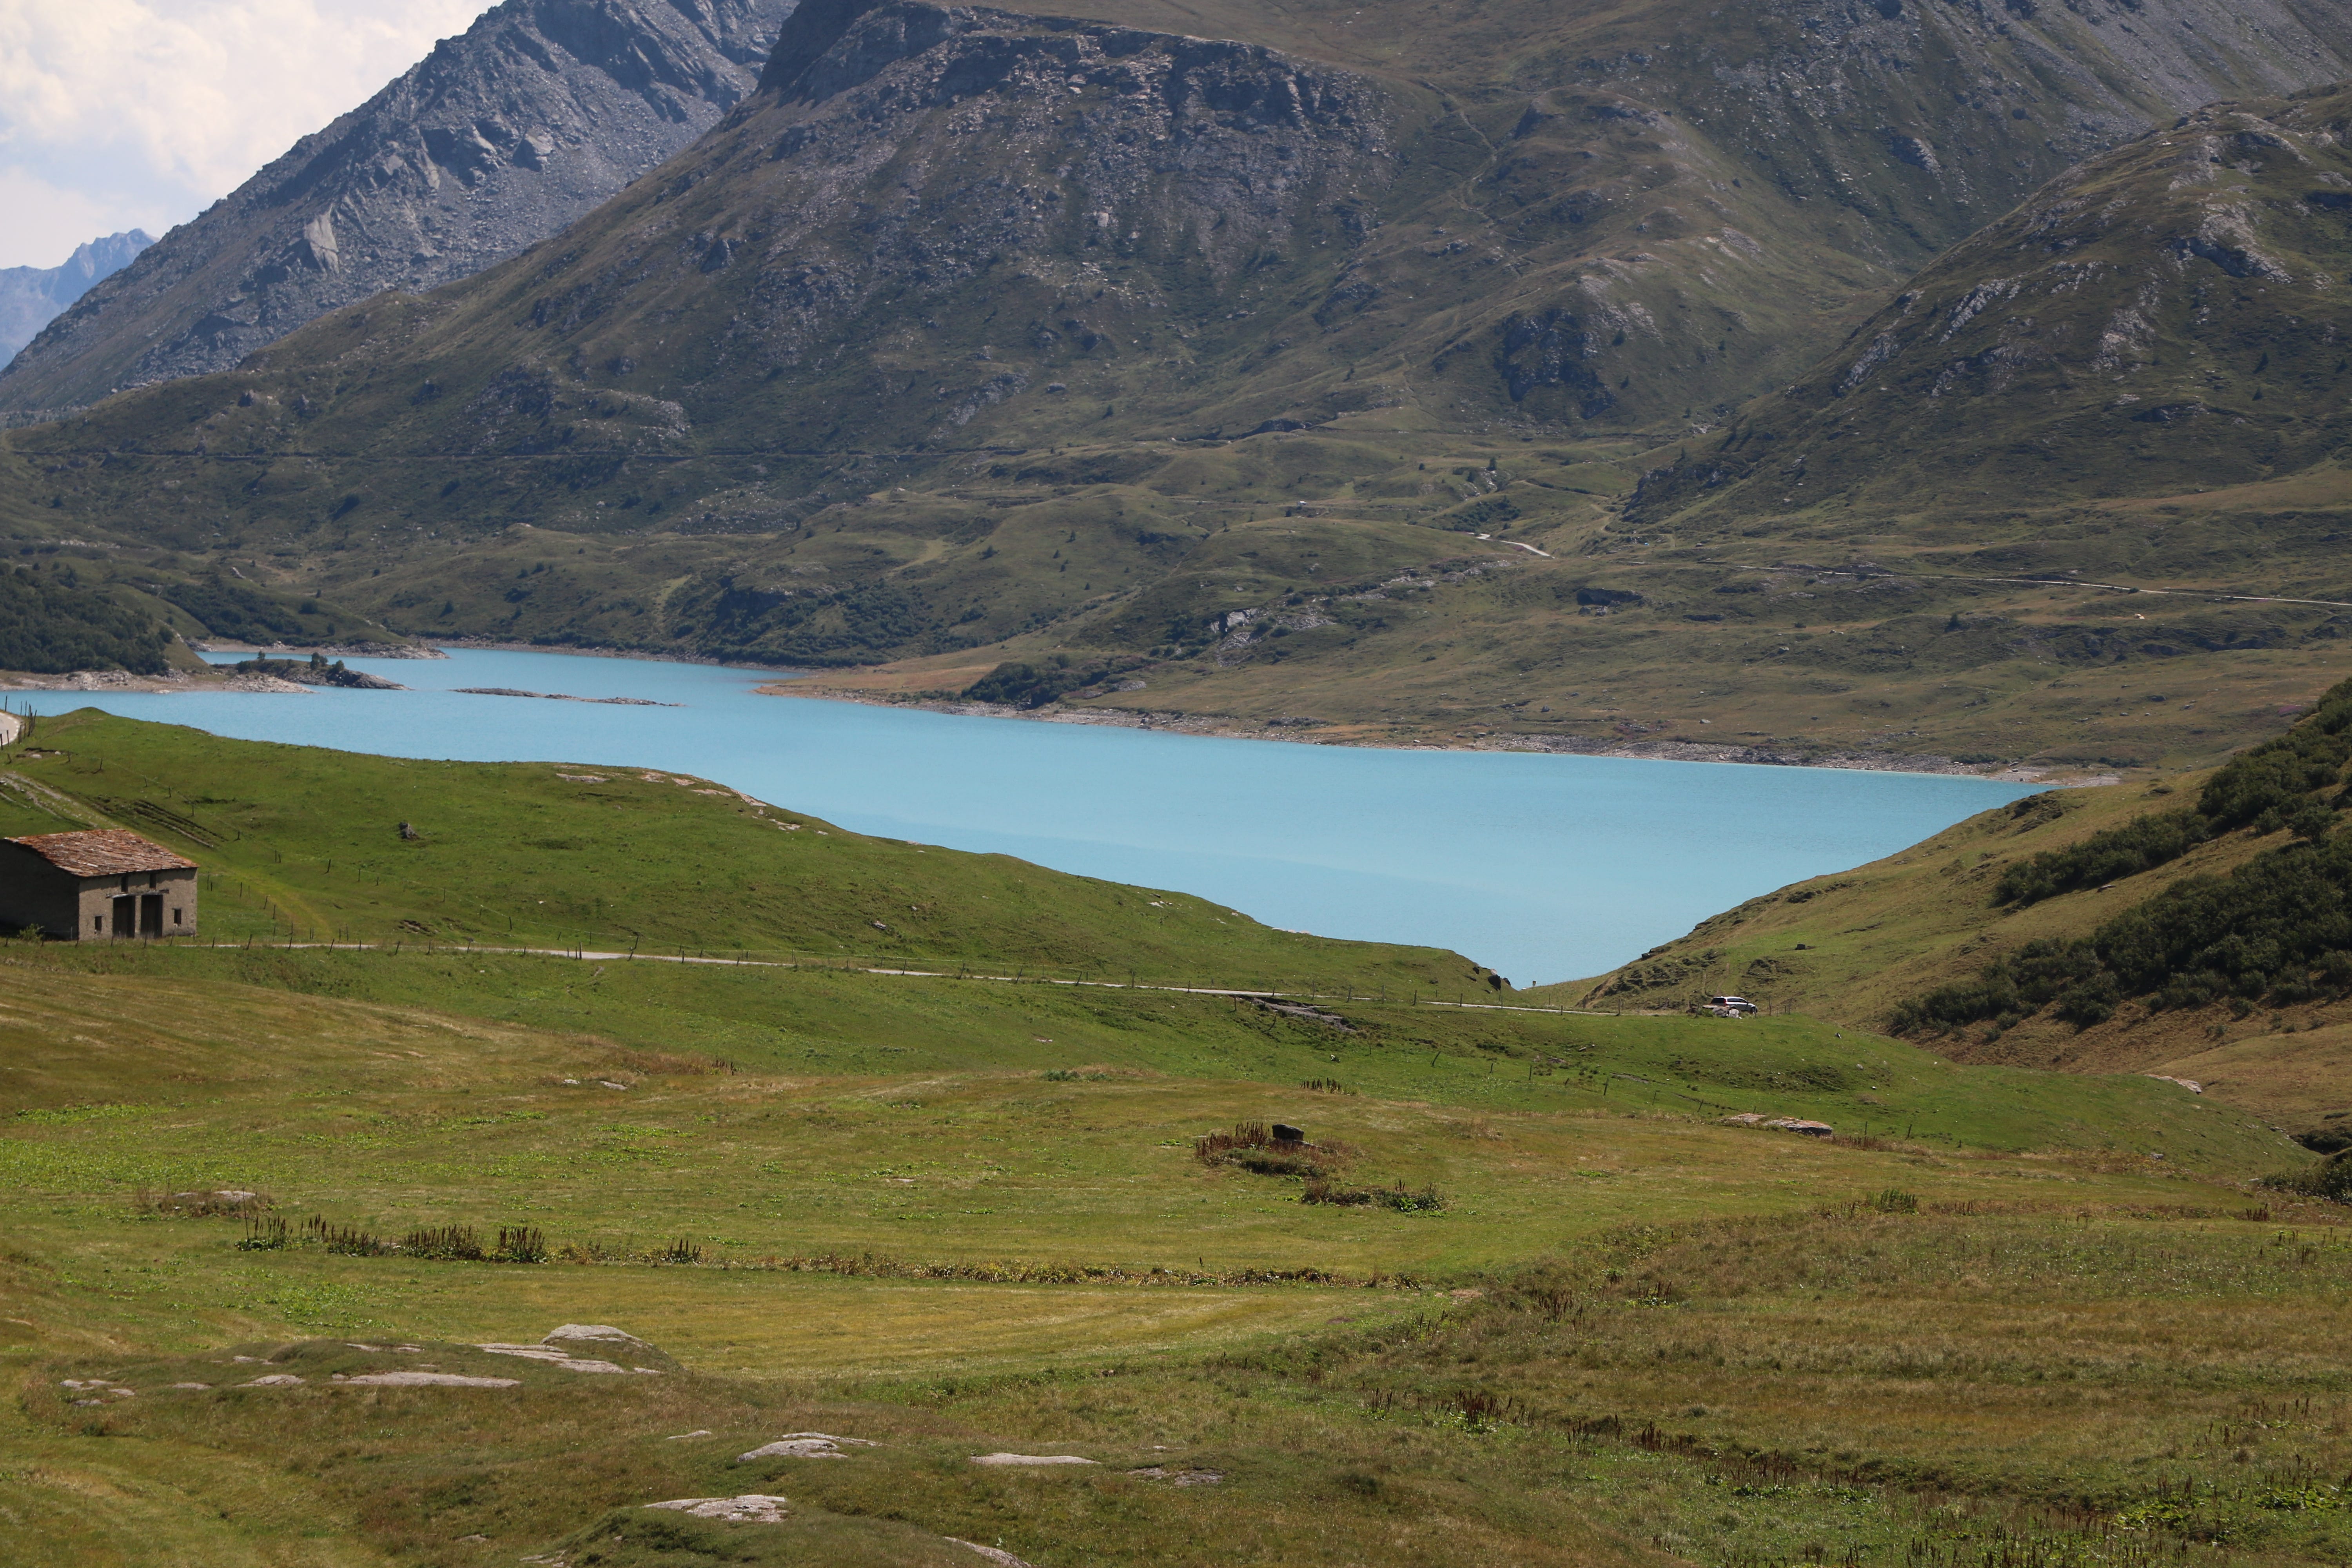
126, 915
151, 915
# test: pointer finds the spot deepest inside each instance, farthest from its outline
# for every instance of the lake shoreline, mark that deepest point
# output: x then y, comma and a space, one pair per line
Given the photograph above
782, 683
1175, 724
1562, 867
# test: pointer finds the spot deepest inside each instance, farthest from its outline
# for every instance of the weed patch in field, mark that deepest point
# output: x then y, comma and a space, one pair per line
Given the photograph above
1426, 1200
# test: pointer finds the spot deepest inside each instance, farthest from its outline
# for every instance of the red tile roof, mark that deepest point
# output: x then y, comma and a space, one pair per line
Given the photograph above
103, 852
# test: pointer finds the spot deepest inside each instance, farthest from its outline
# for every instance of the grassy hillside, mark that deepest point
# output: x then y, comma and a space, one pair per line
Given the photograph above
956, 1260
1504, 1062
1551, 1307
1389, 295
2192, 927
305, 844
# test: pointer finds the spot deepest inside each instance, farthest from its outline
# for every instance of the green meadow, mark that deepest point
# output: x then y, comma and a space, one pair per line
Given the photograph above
304, 844
1554, 1309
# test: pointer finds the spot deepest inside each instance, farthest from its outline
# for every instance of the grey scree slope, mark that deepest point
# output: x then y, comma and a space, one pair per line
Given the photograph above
498, 139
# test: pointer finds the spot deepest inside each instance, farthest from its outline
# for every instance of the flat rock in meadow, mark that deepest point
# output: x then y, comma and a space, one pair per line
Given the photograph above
752, 1508
567, 1334
1029, 1459
806, 1446
407, 1379
997, 1555
1179, 1477
555, 1350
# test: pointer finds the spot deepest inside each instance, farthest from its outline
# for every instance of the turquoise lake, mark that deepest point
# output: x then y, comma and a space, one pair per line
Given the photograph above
1545, 868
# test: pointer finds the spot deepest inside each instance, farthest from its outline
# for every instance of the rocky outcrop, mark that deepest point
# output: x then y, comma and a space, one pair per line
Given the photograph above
498, 139
30, 297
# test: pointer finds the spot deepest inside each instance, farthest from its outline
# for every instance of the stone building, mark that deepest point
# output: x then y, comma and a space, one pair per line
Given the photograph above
100, 886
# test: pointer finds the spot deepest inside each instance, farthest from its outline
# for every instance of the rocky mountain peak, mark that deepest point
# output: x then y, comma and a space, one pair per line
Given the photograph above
499, 138
30, 297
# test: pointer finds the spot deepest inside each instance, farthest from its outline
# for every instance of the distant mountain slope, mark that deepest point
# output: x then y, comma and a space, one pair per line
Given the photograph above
2169, 316
1293, 367
31, 296
499, 138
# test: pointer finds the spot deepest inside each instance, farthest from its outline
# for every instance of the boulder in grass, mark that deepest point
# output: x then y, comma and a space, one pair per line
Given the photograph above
275, 1380
602, 1335
570, 1347
806, 1446
1002, 1558
407, 1379
1801, 1126
1029, 1459
1179, 1477
752, 1508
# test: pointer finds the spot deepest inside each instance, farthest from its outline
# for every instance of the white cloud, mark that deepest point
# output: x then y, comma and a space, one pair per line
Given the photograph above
45, 223
123, 113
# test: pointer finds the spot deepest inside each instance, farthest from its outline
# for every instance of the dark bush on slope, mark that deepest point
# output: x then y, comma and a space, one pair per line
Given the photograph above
233, 610
2269, 787
2140, 844
49, 624
2278, 928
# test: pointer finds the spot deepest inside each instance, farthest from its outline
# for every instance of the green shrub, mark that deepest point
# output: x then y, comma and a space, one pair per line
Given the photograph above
2278, 927
264, 1234
1404, 1200
2140, 844
1024, 684
522, 1244
454, 1242
232, 609
348, 1240
49, 624
1252, 1146
2330, 1179
2271, 787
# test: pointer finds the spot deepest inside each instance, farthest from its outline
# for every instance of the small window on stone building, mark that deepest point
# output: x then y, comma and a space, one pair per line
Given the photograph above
175, 917
97, 923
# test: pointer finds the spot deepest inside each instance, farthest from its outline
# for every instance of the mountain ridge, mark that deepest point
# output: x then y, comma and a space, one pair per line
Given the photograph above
31, 296
2152, 287
497, 138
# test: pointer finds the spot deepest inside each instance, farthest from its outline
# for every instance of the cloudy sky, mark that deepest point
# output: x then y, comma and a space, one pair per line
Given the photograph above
119, 114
